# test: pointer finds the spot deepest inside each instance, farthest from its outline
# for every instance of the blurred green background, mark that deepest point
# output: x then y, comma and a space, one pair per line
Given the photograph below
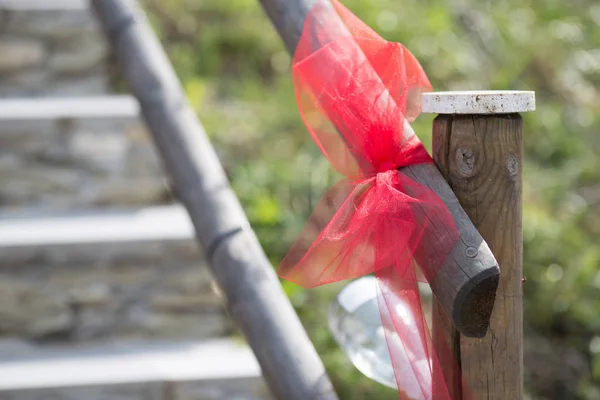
237, 76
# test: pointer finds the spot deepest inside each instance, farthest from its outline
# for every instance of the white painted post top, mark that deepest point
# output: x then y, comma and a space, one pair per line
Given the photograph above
478, 102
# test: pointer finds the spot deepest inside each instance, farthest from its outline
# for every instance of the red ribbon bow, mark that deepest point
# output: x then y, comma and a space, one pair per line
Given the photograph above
357, 93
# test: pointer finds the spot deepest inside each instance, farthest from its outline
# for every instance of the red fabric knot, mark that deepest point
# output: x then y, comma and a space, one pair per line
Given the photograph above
386, 166
357, 94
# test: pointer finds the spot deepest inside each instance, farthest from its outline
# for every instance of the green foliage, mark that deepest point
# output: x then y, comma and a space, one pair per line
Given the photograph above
236, 72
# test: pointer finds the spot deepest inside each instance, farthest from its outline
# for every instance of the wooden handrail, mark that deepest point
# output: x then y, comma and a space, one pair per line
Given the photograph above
251, 288
469, 277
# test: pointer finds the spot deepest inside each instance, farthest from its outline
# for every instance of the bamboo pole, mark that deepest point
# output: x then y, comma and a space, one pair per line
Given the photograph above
466, 284
478, 145
253, 294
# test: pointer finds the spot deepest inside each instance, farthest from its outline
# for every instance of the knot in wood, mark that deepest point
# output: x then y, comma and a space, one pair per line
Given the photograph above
512, 165
465, 159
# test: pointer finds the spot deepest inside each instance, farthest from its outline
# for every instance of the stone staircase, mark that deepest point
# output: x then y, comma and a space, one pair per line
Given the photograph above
103, 291
211, 370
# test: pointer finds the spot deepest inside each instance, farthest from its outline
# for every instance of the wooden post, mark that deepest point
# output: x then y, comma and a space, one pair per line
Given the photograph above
477, 146
467, 282
254, 296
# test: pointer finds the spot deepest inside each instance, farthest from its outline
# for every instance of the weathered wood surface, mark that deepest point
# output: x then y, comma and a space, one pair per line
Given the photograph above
253, 294
469, 276
446, 342
466, 283
481, 157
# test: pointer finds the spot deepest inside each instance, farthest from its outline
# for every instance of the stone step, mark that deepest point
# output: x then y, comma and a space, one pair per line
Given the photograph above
218, 369
55, 108
150, 224
65, 153
152, 231
105, 275
43, 4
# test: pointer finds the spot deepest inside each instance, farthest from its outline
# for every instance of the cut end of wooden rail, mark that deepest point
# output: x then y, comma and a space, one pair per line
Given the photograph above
478, 102
474, 303
465, 285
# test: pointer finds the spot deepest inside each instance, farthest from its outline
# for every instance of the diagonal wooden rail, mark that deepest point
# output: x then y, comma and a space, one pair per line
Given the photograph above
254, 296
466, 285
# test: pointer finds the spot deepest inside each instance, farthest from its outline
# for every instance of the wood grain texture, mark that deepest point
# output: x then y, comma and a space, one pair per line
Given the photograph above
446, 342
253, 294
470, 274
481, 157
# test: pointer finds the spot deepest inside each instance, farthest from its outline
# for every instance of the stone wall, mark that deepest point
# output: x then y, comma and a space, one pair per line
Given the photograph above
61, 166
51, 52
45, 303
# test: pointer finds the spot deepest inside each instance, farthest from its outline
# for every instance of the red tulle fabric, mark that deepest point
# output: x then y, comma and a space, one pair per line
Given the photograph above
357, 93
